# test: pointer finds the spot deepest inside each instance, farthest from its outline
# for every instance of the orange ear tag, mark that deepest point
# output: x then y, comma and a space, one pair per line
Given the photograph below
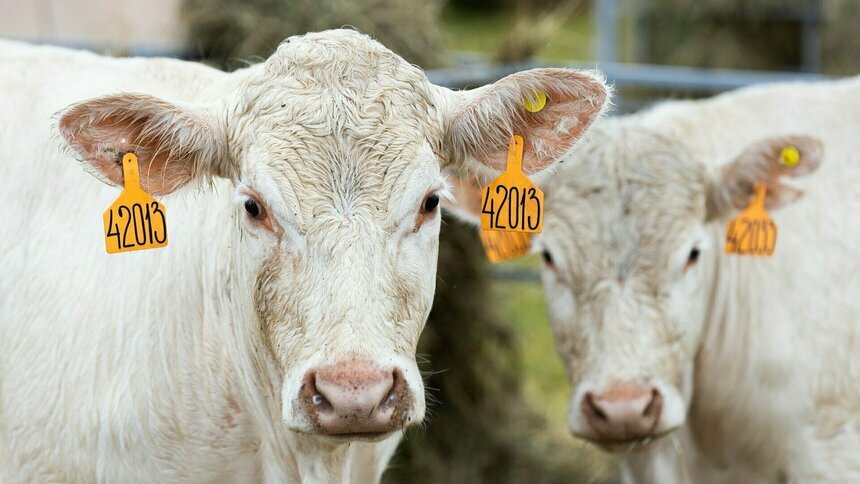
501, 246
135, 221
752, 232
511, 202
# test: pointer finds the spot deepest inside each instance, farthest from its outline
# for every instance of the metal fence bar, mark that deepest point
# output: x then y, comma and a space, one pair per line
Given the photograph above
810, 37
472, 72
714, 80
626, 74
606, 18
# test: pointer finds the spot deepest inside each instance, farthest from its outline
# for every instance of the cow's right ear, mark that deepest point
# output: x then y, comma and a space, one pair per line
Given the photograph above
173, 143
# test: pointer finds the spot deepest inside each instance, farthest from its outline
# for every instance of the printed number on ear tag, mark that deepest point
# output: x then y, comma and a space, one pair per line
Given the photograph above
501, 246
511, 202
135, 221
752, 232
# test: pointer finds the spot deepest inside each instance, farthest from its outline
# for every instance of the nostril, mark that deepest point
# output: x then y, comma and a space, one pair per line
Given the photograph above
309, 388
593, 408
395, 394
655, 406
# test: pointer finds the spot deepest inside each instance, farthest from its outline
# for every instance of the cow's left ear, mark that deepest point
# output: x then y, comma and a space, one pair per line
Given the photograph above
765, 161
480, 123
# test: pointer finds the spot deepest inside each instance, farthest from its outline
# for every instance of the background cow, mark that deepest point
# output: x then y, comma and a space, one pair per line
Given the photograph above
281, 321
744, 369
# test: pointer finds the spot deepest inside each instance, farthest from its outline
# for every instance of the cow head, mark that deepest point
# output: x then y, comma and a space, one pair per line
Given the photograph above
634, 228
336, 149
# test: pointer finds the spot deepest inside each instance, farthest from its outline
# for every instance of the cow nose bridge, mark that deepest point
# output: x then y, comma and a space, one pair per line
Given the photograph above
623, 412
358, 277
356, 398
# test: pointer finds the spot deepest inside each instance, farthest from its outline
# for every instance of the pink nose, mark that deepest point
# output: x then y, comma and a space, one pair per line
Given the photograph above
355, 398
623, 413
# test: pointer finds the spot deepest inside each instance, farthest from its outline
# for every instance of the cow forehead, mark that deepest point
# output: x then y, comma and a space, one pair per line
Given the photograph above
337, 57
344, 74
348, 179
625, 201
342, 124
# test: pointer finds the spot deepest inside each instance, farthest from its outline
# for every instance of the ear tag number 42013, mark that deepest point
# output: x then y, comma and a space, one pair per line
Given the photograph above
752, 232
511, 202
135, 221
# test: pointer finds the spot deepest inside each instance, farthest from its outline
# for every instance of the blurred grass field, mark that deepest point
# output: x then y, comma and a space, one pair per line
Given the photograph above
480, 32
522, 302
545, 383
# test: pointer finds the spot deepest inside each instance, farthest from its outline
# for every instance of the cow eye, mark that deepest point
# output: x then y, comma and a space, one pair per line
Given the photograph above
252, 207
430, 203
547, 257
692, 258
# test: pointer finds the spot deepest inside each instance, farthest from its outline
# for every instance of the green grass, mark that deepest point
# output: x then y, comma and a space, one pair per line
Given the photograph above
465, 30
523, 302
544, 380
545, 383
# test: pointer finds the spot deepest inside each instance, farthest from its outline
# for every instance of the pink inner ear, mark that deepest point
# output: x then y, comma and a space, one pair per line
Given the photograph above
760, 162
102, 140
552, 132
574, 101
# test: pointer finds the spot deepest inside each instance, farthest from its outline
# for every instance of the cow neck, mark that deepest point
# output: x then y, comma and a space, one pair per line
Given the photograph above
728, 369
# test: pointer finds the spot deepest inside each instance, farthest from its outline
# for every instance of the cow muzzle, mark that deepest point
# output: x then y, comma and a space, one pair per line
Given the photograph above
356, 400
625, 416
623, 413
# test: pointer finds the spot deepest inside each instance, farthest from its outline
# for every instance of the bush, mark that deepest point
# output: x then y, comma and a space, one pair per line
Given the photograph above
746, 34
232, 32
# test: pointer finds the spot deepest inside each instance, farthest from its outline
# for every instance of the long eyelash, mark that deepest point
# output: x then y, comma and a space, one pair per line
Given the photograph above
239, 200
444, 193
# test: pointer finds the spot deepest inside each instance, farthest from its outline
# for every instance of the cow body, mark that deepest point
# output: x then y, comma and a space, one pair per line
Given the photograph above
751, 365
108, 374
274, 338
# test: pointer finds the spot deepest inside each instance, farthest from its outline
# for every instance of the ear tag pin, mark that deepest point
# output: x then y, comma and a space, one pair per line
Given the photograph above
511, 202
535, 102
752, 232
135, 221
789, 156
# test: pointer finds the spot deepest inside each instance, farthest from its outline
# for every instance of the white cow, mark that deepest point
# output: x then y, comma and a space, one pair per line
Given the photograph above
740, 369
274, 338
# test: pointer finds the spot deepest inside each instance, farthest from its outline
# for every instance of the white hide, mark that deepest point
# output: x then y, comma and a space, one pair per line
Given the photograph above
760, 356
183, 364
137, 367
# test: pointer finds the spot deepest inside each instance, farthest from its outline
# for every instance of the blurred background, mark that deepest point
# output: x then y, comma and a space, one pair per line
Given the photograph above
497, 391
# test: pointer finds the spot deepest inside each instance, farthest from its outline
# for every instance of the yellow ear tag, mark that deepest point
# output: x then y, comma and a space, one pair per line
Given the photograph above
134, 221
752, 232
535, 102
789, 156
501, 246
511, 202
